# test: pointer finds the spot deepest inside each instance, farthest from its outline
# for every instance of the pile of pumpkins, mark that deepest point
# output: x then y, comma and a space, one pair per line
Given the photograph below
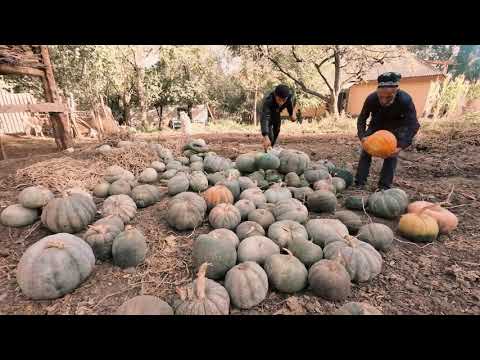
263, 236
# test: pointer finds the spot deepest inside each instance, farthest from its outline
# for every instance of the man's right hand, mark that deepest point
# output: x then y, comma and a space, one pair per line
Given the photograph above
266, 143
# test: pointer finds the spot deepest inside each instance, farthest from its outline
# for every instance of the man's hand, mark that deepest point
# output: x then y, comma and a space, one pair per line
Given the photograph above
396, 152
266, 143
362, 140
293, 118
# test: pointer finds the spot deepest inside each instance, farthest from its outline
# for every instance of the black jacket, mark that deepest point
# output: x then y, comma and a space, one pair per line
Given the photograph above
400, 118
271, 111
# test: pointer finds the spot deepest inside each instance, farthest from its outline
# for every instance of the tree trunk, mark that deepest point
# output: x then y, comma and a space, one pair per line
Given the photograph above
336, 83
141, 96
160, 116
189, 111
255, 105
126, 108
334, 105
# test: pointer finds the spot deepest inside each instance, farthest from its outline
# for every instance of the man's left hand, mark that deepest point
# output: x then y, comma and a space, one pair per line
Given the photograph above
396, 152
293, 118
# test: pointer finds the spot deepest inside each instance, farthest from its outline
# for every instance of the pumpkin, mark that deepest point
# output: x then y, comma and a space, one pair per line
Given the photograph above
245, 163
149, 175
167, 175
115, 172
174, 165
325, 185
306, 251
344, 174
418, 227
225, 235
447, 221
120, 205
104, 149
290, 209
54, 266
213, 179
381, 143
245, 206
301, 193
356, 202
183, 160
324, 231
257, 176
322, 201
144, 305
100, 235
79, 190
361, 259
313, 175
330, 280
293, 161
247, 285
69, 214
255, 195
282, 232
203, 297
273, 176
267, 161
303, 182
267, 206
232, 185
196, 145
256, 248
18, 216
129, 248
158, 166
327, 164
125, 144
292, 180
216, 195
286, 273
339, 184
277, 193
196, 166
213, 164
261, 216
101, 190
35, 197
225, 216
380, 236
178, 184
120, 187
186, 211
231, 173
388, 204
220, 254
198, 182
352, 221
163, 153
249, 228
145, 195
195, 158
357, 308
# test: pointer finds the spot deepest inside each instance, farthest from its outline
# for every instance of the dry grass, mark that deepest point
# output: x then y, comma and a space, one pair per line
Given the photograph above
135, 158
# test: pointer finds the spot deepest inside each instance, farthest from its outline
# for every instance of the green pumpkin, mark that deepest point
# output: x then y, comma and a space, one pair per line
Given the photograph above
213, 164
388, 204
101, 190
245, 206
330, 280
256, 248
339, 184
120, 205
149, 175
186, 211
184, 160
196, 166
197, 146
167, 175
257, 176
345, 175
198, 182
214, 178
292, 180
301, 193
35, 197
273, 176
18, 216
144, 305
249, 228
129, 248
306, 251
225, 235
245, 163
322, 201
232, 185
356, 202
324, 231
293, 161
352, 221
328, 164
246, 183
380, 236
158, 166
286, 273
100, 236
290, 209
174, 165
195, 158
255, 195
357, 308
267, 161
220, 254
247, 284
231, 173
178, 184
120, 187
263, 217
277, 193
145, 195
313, 175
224, 216
283, 232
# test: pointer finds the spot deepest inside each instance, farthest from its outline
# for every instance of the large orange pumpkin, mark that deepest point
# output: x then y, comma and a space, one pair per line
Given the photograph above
446, 220
381, 143
218, 194
418, 227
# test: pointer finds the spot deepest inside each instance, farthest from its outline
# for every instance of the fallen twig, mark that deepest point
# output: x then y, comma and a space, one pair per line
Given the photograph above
411, 243
32, 229
122, 291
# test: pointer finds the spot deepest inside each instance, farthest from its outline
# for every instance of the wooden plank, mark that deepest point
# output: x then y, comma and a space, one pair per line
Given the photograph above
6, 69
45, 107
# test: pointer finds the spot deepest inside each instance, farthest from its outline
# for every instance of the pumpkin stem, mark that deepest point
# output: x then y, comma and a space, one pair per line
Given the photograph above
288, 251
128, 227
201, 280
98, 228
56, 244
349, 240
339, 259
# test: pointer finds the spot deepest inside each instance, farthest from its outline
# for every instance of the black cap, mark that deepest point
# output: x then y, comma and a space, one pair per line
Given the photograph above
389, 79
282, 91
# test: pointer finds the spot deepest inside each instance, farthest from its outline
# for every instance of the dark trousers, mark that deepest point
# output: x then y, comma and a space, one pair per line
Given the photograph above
274, 130
386, 175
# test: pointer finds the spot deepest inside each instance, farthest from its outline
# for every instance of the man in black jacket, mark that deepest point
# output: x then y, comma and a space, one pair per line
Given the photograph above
273, 104
391, 109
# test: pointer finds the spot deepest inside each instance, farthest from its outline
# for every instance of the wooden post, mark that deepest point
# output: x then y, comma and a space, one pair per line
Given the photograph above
61, 127
4, 154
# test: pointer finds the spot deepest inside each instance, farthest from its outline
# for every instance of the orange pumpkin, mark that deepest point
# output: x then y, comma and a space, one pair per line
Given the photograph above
418, 227
446, 220
218, 194
381, 143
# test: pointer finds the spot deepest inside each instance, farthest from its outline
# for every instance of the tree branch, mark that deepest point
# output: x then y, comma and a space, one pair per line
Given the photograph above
295, 56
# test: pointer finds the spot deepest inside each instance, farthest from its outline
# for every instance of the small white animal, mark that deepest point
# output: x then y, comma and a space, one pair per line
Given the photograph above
33, 122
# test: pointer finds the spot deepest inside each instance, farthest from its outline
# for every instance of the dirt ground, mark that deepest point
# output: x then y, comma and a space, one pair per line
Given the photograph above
438, 278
